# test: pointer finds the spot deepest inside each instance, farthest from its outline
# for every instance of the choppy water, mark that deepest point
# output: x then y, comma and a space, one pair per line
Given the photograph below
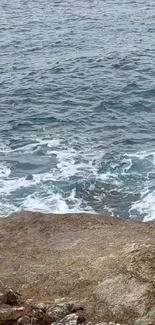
77, 106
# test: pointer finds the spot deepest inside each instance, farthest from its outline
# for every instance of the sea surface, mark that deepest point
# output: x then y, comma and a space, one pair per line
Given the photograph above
77, 107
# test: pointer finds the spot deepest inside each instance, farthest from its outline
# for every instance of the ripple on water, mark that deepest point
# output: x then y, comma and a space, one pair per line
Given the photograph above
77, 107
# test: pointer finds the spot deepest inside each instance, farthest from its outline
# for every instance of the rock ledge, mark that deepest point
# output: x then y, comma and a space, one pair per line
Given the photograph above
82, 267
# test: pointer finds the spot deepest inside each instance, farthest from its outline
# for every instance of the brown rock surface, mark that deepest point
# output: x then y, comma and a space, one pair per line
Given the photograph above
105, 263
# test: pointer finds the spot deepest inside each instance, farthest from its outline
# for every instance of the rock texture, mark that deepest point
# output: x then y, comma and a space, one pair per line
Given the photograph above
27, 312
105, 265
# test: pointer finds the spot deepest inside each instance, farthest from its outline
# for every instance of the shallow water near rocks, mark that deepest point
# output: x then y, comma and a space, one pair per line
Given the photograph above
77, 93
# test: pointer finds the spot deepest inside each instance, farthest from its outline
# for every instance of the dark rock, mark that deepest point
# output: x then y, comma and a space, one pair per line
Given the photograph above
11, 297
29, 177
81, 319
3, 298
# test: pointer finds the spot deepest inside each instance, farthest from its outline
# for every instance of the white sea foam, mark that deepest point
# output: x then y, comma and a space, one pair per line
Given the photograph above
72, 162
50, 142
54, 203
11, 185
39, 192
5, 171
4, 147
141, 155
36, 143
144, 206
7, 208
110, 178
128, 163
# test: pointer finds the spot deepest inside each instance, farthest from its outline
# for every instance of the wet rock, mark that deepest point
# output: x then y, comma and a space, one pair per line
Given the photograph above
29, 177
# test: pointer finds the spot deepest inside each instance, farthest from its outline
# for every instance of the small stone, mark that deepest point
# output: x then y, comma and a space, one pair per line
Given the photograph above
29, 302
74, 308
81, 319
59, 300
11, 297
34, 320
58, 312
40, 306
71, 319
29, 177
24, 320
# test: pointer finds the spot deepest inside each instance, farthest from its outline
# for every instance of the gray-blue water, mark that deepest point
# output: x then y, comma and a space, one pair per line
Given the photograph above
77, 106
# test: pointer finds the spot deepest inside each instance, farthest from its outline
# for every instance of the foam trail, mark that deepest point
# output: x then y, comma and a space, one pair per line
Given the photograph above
54, 203
145, 206
78, 180
5, 171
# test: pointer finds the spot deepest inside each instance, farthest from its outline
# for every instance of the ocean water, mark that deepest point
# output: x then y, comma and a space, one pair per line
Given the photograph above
77, 107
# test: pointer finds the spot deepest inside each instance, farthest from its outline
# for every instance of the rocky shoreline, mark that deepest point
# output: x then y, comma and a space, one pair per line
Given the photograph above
14, 310
76, 269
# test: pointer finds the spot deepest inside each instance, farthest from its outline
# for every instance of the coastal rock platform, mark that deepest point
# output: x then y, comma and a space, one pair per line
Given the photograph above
81, 267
